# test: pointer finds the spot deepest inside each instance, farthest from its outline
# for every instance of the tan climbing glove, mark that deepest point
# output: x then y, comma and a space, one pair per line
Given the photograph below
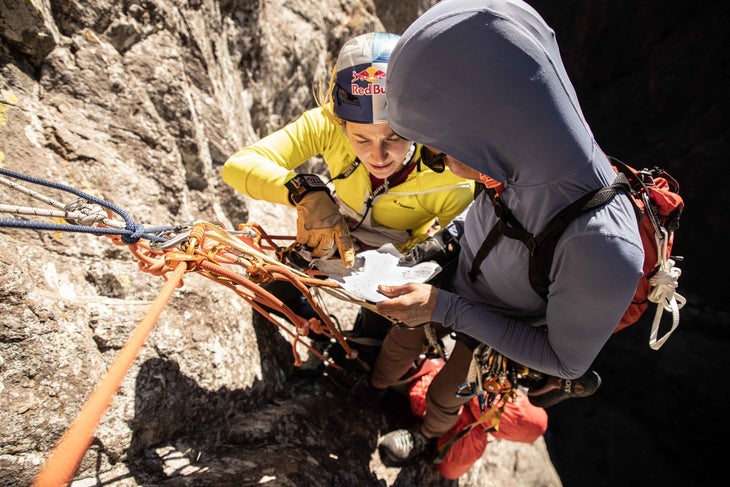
320, 225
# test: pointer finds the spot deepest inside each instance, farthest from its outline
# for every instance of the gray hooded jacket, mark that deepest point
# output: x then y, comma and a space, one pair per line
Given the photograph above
483, 81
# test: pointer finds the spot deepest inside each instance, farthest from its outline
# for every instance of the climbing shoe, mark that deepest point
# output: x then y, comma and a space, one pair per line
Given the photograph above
583, 386
399, 446
357, 383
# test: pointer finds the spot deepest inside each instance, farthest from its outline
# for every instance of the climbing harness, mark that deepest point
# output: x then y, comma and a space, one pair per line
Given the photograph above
491, 376
494, 380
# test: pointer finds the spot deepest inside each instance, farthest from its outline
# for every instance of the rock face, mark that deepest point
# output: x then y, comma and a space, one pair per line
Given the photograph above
138, 104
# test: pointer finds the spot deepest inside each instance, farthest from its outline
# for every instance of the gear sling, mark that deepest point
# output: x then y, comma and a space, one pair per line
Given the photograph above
655, 196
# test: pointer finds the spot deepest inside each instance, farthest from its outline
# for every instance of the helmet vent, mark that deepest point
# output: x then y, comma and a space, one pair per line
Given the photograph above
345, 97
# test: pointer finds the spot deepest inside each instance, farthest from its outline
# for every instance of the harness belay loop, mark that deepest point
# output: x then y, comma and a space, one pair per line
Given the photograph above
663, 292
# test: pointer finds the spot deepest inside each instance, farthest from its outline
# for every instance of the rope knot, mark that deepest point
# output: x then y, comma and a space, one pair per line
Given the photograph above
664, 294
258, 274
82, 212
664, 285
137, 230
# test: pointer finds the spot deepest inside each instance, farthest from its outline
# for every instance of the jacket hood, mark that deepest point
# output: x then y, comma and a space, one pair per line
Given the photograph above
484, 82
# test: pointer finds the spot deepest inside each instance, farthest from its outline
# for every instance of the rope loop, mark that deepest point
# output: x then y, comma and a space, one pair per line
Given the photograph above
663, 291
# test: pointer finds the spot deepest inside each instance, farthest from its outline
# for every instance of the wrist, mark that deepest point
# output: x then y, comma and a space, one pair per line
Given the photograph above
302, 184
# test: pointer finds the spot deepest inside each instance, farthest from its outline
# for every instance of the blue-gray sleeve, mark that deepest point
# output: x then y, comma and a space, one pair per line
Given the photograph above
587, 300
456, 226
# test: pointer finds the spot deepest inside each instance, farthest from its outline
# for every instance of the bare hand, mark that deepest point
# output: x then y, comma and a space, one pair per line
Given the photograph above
411, 304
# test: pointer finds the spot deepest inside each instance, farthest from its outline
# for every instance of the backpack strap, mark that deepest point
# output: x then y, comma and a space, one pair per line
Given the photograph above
542, 246
542, 258
507, 225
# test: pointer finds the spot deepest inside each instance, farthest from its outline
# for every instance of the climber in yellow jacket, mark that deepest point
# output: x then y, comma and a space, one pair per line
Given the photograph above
376, 189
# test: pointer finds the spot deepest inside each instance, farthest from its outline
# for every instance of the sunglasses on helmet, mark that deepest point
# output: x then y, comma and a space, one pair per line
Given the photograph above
434, 162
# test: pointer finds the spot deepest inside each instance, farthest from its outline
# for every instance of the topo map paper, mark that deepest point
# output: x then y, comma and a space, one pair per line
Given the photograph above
373, 268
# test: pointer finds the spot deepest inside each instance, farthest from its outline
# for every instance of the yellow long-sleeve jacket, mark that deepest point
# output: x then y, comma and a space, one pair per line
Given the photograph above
402, 214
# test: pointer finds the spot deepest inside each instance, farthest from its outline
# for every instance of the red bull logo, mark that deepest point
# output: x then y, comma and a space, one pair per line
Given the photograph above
370, 75
370, 89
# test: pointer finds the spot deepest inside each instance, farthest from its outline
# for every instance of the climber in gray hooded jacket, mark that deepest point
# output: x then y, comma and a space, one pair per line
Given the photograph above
483, 82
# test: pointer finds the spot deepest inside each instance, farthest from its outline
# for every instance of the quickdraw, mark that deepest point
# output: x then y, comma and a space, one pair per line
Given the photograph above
169, 252
493, 379
206, 248
491, 376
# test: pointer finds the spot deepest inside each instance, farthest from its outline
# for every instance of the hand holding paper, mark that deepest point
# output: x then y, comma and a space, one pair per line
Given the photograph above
411, 304
373, 268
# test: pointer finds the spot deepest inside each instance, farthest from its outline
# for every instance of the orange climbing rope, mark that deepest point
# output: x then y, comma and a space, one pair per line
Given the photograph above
240, 260
208, 250
68, 453
220, 255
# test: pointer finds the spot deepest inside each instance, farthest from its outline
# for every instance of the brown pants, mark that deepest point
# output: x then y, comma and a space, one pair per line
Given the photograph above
400, 348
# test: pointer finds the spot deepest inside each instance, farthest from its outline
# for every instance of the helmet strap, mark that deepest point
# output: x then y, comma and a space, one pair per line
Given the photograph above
409, 154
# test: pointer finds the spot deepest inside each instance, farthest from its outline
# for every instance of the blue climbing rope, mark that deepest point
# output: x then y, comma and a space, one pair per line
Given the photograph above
132, 232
